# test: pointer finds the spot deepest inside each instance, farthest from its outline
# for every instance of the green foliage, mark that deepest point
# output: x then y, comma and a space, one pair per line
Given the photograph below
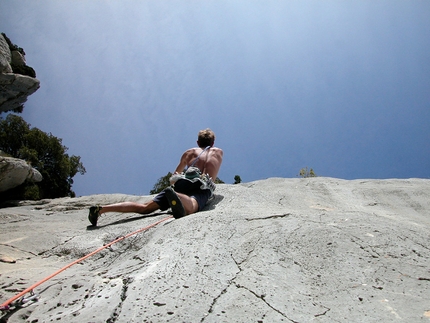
162, 183
12, 46
218, 181
19, 109
237, 179
304, 172
31, 192
45, 153
23, 70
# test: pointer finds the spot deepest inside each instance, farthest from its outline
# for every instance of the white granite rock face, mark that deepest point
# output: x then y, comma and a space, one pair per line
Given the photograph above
14, 172
5, 56
14, 88
276, 250
18, 58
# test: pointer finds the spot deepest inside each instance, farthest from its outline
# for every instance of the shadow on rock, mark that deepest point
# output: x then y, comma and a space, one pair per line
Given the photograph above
91, 227
211, 206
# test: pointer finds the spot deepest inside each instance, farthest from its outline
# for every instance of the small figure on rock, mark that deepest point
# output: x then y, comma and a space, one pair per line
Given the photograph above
192, 184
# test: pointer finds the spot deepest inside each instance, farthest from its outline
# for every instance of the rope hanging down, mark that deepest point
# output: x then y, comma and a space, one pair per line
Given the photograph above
6, 305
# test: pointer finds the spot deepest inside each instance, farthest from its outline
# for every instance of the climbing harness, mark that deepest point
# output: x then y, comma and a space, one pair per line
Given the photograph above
193, 174
19, 300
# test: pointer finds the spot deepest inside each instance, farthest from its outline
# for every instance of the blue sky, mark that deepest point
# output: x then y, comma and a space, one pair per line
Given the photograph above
339, 86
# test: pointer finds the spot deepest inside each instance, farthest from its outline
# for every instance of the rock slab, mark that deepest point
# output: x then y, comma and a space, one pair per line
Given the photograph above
275, 250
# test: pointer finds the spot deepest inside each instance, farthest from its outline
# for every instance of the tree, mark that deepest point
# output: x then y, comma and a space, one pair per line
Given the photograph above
219, 181
304, 172
161, 184
45, 153
237, 179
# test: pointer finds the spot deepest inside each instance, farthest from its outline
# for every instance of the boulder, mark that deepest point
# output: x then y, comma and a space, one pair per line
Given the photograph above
14, 88
14, 172
18, 58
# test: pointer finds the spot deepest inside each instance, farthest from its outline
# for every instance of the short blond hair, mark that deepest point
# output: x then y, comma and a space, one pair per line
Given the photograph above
206, 138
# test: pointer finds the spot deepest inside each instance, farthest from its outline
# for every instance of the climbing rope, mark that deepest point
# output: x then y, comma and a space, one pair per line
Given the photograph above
22, 300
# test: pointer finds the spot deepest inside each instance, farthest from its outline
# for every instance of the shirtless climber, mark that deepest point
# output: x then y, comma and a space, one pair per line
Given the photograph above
190, 191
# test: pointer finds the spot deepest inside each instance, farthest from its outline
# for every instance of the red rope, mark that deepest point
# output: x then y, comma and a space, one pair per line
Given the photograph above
5, 305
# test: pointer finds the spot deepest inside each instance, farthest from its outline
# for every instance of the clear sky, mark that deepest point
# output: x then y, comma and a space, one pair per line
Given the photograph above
339, 86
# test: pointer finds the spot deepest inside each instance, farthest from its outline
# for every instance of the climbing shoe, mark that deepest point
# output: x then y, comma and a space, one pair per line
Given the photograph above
94, 214
175, 203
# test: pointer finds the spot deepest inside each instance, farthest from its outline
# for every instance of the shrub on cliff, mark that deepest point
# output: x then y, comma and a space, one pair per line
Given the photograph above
23, 70
305, 173
44, 152
161, 184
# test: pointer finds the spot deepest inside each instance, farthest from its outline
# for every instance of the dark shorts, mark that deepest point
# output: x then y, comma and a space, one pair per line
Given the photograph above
185, 187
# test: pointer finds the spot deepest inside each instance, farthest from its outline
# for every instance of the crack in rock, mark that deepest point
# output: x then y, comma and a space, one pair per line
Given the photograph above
269, 217
262, 297
117, 310
52, 250
16, 248
323, 313
15, 221
215, 300
373, 253
230, 283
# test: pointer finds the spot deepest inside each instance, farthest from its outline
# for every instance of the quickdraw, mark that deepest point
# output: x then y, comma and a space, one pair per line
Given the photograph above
19, 300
